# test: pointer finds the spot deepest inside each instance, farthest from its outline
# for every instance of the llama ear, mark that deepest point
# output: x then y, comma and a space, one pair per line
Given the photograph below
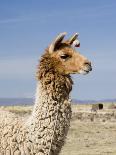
56, 42
74, 41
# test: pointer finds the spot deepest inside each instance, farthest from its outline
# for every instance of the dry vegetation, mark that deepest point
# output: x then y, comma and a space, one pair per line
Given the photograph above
20, 110
91, 133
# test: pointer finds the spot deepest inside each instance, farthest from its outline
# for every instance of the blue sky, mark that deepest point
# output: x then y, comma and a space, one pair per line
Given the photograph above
26, 29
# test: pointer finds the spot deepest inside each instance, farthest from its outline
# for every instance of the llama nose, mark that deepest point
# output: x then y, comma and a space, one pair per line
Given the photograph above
88, 65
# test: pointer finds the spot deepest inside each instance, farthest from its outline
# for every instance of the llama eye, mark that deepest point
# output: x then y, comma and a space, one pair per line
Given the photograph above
64, 56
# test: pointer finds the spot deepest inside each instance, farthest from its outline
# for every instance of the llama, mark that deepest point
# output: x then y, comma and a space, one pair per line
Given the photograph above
44, 132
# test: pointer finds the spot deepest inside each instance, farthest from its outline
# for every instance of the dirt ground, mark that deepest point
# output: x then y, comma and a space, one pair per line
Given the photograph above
91, 136
91, 133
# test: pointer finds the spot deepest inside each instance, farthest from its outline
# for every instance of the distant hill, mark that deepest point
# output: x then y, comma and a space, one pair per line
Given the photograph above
92, 101
30, 101
16, 101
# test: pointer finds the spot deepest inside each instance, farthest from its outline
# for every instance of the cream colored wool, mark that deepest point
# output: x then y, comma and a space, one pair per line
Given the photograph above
33, 136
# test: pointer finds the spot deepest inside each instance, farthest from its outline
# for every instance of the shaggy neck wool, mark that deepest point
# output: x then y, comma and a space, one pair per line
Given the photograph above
52, 101
51, 80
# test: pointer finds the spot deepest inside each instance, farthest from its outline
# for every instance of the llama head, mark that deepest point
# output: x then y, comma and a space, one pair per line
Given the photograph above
69, 60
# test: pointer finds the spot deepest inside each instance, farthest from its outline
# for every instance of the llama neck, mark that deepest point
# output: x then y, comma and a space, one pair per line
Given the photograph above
51, 115
53, 87
51, 93
50, 119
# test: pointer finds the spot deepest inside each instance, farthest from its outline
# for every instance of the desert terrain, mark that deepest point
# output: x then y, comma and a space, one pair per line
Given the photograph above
91, 132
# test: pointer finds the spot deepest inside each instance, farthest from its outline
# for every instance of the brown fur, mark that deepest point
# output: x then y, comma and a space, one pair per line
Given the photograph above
48, 74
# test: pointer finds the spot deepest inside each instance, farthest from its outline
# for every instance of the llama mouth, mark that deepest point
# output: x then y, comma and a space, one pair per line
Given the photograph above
84, 72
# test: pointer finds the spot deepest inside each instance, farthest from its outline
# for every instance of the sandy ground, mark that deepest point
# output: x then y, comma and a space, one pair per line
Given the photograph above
90, 133
91, 136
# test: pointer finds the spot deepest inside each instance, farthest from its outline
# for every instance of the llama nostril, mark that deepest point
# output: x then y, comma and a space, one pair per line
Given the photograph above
88, 65
90, 68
